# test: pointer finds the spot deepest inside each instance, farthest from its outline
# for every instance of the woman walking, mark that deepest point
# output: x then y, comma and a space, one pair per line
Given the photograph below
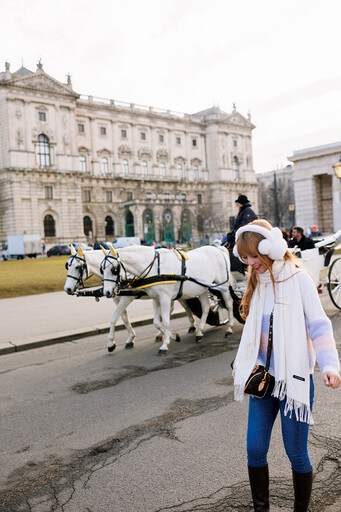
280, 290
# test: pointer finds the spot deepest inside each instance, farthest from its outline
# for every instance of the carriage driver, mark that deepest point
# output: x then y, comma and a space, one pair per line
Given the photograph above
245, 215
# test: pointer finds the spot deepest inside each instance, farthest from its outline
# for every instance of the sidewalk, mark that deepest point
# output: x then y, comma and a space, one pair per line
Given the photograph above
39, 320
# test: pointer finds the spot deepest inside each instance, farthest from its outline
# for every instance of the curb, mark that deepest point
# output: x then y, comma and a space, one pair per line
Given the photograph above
10, 347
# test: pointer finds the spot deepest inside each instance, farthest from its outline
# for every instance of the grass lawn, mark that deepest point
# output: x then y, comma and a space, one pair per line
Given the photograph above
33, 276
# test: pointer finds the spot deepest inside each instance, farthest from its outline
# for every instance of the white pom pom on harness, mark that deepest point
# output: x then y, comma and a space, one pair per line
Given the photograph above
273, 244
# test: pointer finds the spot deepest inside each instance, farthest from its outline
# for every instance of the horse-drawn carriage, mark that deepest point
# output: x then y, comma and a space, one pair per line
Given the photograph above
203, 283
324, 264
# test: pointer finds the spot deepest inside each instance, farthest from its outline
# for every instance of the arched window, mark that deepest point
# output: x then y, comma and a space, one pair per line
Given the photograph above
43, 151
186, 226
109, 226
148, 226
162, 170
180, 171
144, 168
87, 223
105, 165
196, 172
82, 163
235, 165
125, 165
49, 226
129, 228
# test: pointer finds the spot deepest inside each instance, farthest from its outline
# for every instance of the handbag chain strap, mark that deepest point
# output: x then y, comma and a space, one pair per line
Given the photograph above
268, 354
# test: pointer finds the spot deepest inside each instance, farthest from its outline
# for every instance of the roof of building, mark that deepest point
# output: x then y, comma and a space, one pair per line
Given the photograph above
213, 111
23, 71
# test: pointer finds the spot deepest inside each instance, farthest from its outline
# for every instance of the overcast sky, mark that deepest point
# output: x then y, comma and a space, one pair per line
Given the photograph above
280, 60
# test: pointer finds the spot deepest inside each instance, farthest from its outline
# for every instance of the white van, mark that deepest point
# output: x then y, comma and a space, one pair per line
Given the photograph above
126, 241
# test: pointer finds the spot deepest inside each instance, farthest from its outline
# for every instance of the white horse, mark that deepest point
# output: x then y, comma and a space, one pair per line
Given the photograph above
206, 267
81, 266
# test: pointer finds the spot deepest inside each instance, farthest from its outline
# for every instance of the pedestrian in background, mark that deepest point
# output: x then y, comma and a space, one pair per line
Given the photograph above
302, 333
300, 240
314, 231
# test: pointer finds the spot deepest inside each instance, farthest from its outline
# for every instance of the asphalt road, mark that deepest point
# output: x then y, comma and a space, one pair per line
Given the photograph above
84, 430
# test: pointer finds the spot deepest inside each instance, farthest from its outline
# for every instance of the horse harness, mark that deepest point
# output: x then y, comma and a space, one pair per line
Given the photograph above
134, 286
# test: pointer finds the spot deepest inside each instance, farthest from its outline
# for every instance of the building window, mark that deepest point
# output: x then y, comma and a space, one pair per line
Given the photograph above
196, 172
108, 196
180, 171
103, 130
161, 138
87, 226
129, 196
199, 199
43, 151
87, 196
125, 165
124, 134
82, 163
143, 136
109, 226
105, 165
178, 140
144, 168
235, 143
194, 143
41, 116
49, 226
48, 192
80, 128
162, 170
235, 166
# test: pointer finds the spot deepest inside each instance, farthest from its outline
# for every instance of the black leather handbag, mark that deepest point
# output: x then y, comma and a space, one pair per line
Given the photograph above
260, 381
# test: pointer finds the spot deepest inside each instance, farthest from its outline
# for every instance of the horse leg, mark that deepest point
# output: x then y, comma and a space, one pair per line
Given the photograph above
157, 320
165, 305
190, 315
120, 310
229, 305
205, 306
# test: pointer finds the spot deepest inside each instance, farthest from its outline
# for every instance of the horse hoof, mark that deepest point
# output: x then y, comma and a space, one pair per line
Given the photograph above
227, 334
129, 345
177, 338
191, 329
162, 352
158, 339
198, 339
112, 348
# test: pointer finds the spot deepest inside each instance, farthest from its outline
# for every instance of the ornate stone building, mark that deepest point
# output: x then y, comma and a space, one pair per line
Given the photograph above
77, 168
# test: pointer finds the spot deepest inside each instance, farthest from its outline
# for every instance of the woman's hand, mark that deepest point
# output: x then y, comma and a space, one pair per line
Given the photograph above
332, 379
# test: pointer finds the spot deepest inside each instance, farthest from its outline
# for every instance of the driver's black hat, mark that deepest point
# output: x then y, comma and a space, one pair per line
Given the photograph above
242, 200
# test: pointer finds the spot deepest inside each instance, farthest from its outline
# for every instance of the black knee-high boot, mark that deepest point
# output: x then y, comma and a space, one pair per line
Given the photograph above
303, 483
259, 483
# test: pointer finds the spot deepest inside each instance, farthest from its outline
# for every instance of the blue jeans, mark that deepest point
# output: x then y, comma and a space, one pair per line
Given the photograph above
262, 415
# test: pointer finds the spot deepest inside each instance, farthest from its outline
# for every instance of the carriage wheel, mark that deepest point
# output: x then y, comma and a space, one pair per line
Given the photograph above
334, 283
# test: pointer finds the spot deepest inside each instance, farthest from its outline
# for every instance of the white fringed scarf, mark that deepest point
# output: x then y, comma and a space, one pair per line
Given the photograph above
292, 374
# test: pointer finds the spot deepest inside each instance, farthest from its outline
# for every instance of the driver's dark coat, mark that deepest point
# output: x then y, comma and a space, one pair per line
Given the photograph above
245, 215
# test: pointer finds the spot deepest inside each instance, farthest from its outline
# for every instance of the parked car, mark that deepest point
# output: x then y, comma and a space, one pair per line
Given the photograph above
105, 245
83, 246
59, 250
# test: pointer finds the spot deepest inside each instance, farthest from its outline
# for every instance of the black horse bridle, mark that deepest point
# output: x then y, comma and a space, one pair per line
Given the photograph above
81, 267
116, 270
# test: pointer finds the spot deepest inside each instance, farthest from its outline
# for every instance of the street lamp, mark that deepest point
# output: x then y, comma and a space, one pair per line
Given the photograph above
337, 168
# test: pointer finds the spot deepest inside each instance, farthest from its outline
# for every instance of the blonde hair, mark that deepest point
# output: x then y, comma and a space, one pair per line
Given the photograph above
247, 244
